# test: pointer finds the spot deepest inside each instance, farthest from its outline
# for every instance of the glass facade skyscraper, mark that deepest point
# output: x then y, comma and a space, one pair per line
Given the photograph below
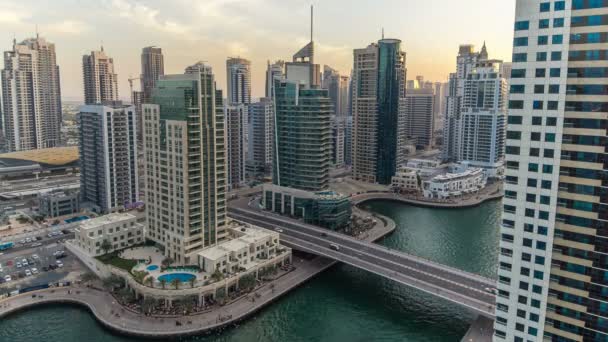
553, 262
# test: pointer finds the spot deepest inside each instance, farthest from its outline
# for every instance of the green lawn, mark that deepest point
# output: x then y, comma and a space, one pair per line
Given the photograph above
114, 260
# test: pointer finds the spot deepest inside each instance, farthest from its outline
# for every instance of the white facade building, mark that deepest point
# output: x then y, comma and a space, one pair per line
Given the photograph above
31, 96
261, 137
405, 180
109, 176
120, 230
452, 185
238, 73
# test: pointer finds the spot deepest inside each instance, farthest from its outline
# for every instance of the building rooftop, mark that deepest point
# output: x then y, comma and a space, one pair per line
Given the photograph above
55, 156
106, 219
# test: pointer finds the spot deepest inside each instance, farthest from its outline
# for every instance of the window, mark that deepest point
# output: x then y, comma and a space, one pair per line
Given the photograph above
550, 137
545, 6
547, 168
551, 121
532, 331
546, 184
541, 56
543, 215
548, 153
539, 89
518, 73
535, 303
524, 270
517, 89
537, 120
545, 200
535, 136
559, 6
558, 22
540, 72
539, 275
557, 39
526, 257
554, 89
537, 289
514, 150
530, 198
539, 260
543, 40
520, 57
537, 105
534, 152
541, 245
520, 41
529, 212
552, 105
556, 55
522, 25
554, 72
519, 326
515, 119
515, 135
516, 104
543, 23
528, 227
532, 183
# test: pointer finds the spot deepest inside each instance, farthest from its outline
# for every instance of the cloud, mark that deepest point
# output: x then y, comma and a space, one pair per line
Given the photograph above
13, 15
72, 27
147, 17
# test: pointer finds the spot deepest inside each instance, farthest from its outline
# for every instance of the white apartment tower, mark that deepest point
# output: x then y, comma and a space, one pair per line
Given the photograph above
185, 164
236, 144
31, 107
100, 81
553, 264
238, 73
109, 178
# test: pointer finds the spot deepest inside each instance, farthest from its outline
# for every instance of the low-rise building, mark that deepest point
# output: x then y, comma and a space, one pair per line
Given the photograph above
452, 185
59, 203
405, 180
246, 248
426, 168
121, 230
327, 209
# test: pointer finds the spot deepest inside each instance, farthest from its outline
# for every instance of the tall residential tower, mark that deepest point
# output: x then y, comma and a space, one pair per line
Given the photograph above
378, 100
185, 162
100, 81
31, 106
238, 73
553, 264
152, 67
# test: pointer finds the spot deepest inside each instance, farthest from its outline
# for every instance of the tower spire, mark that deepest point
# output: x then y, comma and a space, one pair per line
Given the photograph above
383, 33
311, 21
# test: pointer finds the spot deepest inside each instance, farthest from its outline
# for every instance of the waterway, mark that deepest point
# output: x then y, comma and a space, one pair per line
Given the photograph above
342, 304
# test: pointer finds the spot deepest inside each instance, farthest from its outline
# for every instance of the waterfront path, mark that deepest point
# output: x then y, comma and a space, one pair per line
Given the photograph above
491, 192
113, 316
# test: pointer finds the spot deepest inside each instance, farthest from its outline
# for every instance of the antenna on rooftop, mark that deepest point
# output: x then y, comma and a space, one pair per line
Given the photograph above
311, 21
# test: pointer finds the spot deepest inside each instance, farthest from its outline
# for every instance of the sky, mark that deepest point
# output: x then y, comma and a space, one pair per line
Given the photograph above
259, 30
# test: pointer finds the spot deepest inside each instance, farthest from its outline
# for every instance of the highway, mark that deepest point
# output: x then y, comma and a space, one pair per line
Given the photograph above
466, 289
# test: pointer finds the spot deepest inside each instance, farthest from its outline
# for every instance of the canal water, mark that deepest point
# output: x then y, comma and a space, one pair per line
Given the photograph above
342, 304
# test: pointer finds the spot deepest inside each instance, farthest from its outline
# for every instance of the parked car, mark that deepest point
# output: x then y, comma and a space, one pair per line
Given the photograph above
18, 265
7, 278
35, 270
28, 273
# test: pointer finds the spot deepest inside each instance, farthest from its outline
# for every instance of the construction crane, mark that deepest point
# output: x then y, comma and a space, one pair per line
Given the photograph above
131, 79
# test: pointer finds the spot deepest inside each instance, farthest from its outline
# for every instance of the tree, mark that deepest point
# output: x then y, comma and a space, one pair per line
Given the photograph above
163, 282
175, 282
112, 282
192, 281
88, 277
148, 304
167, 262
247, 282
126, 295
149, 281
220, 294
217, 275
106, 246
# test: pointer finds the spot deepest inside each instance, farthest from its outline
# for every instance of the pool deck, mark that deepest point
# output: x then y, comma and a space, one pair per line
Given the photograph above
116, 318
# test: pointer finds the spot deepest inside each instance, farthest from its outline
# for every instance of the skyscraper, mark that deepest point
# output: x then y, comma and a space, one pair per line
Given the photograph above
273, 71
184, 132
100, 81
152, 67
419, 109
552, 265
441, 90
337, 87
261, 136
31, 111
236, 135
378, 91
238, 73
108, 156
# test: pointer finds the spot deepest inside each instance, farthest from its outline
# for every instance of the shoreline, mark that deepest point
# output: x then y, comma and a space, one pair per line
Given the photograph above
379, 196
91, 300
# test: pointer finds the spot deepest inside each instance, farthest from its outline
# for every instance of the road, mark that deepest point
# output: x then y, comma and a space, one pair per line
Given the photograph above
461, 287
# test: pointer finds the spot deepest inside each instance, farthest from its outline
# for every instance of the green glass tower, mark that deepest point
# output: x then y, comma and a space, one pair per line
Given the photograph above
303, 136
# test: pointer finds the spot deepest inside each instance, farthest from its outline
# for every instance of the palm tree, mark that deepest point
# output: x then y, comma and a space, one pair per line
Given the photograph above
163, 282
149, 281
192, 281
106, 246
148, 304
175, 282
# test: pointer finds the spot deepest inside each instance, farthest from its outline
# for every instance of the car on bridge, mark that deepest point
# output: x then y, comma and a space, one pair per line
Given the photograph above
334, 247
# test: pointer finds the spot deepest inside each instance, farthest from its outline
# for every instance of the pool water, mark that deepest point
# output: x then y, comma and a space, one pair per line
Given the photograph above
76, 219
152, 267
182, 277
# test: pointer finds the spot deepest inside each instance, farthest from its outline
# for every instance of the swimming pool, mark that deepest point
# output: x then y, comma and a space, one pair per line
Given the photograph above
152, 267
76, 219
182, 277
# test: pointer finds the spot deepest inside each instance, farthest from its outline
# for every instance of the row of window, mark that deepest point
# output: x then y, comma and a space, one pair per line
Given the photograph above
571, 106
538, 73
535, 121
542, 24
578, 21
575, 38
540, 56
531, 182
557, 6
534, 136
538, 89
